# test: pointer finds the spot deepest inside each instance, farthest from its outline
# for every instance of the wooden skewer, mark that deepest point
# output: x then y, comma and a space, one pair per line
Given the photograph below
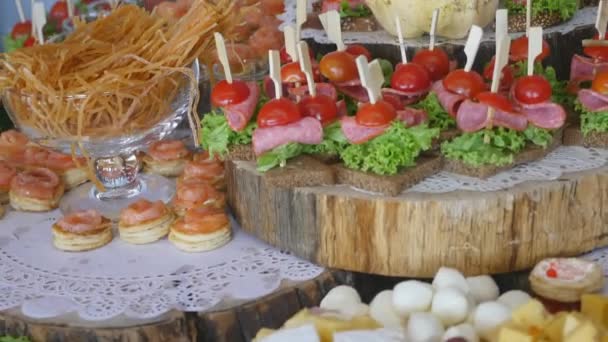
220, 46
39, 20
290, 42
433, 29
371, 78
535, 47
401, 40
502, 24
528, 16
472, 46
20, 10
274, 61
331, 24
601, 20
594, 43
306, 67
301, 16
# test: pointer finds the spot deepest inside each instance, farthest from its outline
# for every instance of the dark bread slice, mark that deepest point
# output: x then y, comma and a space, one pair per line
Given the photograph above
348, 24
390, 185
530, 153
302, 171
446, 135
326, 158
574, 136
241, 152
517, 22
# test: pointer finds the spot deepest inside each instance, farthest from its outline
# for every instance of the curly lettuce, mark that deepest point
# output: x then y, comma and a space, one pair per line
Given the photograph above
565, 8
11, 44
333, 141
438, 117
497, 146
389, 153
591, 121
279, 156
359, 11
216, 135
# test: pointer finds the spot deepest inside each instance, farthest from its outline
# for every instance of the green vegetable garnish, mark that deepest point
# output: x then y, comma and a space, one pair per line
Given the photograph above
591, 121
387, 71
11, 44
279, 156
13, 339
216, 136
359, 11
438, 117
333, 141
351, 105
565, 8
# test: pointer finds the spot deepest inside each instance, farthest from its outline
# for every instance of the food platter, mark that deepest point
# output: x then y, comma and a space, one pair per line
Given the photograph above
476, 232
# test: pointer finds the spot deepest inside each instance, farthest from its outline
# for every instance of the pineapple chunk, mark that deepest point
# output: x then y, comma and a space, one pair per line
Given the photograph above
584, 332
531, 314
512, 334
595, 307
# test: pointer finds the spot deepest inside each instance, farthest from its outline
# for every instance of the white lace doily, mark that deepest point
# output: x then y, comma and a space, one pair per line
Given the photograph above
565, 159
137, 281
585, 16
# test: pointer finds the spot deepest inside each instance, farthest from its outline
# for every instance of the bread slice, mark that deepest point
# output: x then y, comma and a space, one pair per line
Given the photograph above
390, 185
326, 158
302, 171
574, 136
530, 153
241, 152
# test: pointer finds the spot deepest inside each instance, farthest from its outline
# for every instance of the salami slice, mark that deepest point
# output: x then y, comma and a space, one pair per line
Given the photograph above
593, 101
473, 116
238, 115
547, 115
269, 88
358, 93
400, 99
342, 110
584, 69
307, 130
412, 117
358, 134
326, 89
449, 101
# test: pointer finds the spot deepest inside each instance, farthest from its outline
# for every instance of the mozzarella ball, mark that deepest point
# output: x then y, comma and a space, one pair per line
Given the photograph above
450, 277
354, 309
339, 296
381, 309
424, 327
450, 306
465, 331
488, 316
412, 296
483, 288
514, 298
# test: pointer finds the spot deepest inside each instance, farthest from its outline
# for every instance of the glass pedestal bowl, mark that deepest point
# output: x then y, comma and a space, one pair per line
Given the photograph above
112, 143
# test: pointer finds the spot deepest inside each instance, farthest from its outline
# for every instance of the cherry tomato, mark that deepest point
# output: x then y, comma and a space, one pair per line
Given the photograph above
359, 50
507, 76
600, 83
291, 73
30, 41
22, 29
464, 83
378, 114
495, 100
278, 112
321, 107
59, 11
436, 61
286, 58
339, 66
224, 93
532, 89
597, 52
519, 50
411, 77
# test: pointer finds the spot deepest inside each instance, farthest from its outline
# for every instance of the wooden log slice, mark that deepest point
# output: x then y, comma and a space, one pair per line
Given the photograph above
230, 321
414, 234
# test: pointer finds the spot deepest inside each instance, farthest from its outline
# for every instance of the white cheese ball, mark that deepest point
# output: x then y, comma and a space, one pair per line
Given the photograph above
450, 277
488, 316
464, 330
412, 296
514, 298
339, 296
450, 306
381, 309
483, 288
424, 327
354, 309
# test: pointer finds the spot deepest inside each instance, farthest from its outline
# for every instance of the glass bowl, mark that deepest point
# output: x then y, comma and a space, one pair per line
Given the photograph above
152, 114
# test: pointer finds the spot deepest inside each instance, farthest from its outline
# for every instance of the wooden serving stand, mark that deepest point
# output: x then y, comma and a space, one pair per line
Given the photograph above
414, 234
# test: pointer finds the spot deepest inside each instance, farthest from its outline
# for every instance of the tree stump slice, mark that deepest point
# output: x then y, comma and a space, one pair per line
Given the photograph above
414, 234
231, 321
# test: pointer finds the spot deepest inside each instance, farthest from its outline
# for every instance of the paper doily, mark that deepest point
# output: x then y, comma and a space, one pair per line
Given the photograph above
565, 159
138, 281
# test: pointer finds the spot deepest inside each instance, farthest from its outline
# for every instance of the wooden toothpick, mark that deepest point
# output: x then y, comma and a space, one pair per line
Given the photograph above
472, 46
368, 73
20, 10
601, 20
220, 46
535, 47
306, 67
290, 42
502, 24
39, 20
500, 60
528, 16
401, 40
274, 63
301, 16
331, 24
70, 6
433, 29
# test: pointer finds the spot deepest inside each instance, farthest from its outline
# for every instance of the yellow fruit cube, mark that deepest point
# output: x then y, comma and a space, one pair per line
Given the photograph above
585, 332
595, 307
512, 334
531, 314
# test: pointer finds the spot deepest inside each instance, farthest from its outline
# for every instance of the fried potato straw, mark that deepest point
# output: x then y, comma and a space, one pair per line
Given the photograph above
117, 75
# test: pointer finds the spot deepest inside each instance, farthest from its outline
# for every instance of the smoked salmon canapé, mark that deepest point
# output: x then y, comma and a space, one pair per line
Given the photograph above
36, 189
201, 229
166, 158
82, 231
145, 222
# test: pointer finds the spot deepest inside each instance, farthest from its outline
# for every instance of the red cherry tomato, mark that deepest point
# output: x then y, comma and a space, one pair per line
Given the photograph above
22, 29
359, 50
321, 107
278, 112
59, 11
507, 77
436, 61
519, 50
378, 114
495, 100
30, 41
411, 77
597, 52
339, 66
291, 73
464, 83
532, 89
285, 58
224, 93
600, 83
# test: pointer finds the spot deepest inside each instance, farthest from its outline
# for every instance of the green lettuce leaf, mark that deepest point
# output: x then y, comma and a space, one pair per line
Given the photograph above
13, 339
559, 88
389, 153
359, 11
387, 71
438, 117
351, 105
538, 136
592, 121
217, 136
11, 44
279, 156
333, 141
565, 8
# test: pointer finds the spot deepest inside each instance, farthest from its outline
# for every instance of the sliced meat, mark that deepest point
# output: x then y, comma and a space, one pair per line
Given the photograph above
357, 93
473, 116
342, 110
547, 115
593, 101
307, 130
412, 117
326, 89
401, 98
358, 134
449, 101
269, 88
584, 69
238, 115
